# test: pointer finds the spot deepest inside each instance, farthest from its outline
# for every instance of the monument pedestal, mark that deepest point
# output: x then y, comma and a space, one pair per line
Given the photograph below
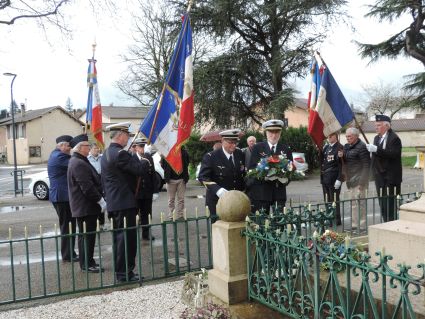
404, 239
228, 280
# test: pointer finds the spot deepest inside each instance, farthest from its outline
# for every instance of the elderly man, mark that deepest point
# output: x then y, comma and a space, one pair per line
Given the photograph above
57, 167
86, 200
95, 157
148, 188
251, 140
357, 162
264, 194
119, 177
222, 170
386, 165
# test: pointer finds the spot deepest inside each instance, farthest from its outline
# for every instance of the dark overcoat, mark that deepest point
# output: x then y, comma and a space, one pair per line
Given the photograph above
84, 187
57, 167
147, 185
387, 162
331, 168
216, 172
119, 177
260, 190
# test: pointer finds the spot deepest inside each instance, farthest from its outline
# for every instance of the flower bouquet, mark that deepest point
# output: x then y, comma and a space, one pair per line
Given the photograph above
274, 168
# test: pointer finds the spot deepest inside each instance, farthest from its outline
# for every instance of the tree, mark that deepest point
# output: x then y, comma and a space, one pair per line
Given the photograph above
389, 99
156, 29
409, 41
69, 106
263, 44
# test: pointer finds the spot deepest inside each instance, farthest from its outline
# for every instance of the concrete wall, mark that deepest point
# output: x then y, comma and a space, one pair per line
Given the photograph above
297, 117
21, 151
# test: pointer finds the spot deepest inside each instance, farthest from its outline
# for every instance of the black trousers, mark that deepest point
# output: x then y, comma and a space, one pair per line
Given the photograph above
387, 197
265, 205
330, 195
144, 209
86, 242
125, 260
65, 217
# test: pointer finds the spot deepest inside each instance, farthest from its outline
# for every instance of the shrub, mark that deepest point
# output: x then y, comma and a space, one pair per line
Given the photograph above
211, 311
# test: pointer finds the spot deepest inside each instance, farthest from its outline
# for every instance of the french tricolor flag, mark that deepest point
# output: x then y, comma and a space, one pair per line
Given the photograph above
331, 111
169, 122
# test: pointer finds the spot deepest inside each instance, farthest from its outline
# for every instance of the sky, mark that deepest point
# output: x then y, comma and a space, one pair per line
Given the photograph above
50, 68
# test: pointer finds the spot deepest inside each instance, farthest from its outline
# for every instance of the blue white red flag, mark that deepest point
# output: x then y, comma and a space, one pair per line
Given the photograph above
331, 112
94, 108
169, 121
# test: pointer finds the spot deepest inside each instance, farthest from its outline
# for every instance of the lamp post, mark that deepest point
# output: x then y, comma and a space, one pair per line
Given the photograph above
15, 169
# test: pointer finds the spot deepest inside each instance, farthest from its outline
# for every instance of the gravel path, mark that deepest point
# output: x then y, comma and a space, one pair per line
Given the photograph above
152, 301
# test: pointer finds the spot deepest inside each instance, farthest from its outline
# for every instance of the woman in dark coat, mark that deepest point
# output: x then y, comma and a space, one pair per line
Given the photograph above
86, 200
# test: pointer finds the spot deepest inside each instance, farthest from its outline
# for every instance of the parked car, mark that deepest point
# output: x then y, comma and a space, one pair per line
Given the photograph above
39, 182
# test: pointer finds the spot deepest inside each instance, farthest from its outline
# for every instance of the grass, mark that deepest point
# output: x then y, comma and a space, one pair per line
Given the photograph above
408, 149
408, 161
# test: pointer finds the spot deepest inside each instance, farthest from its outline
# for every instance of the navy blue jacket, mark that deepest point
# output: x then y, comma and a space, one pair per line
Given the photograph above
57, 168
119, 177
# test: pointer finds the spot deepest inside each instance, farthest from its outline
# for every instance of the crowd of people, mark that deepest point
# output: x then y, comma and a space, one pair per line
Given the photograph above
86, 184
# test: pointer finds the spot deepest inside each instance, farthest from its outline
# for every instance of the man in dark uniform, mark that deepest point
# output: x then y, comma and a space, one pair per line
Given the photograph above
57, 167
86, 200
264, 194
222, 170
119, 175
147, 188
331, 173
386, 165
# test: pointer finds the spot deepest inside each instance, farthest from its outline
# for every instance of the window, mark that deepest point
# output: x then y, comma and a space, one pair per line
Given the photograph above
35, 151
20, 131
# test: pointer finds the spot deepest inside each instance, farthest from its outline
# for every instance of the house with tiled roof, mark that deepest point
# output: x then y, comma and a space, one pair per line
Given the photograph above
410, 131
35, 133
117, 114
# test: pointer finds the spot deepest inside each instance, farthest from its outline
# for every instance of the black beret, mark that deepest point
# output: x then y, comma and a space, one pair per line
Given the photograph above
382, 118
78, 139
63, 138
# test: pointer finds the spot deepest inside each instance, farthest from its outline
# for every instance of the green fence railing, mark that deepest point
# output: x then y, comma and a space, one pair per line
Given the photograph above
310, 277
31, 267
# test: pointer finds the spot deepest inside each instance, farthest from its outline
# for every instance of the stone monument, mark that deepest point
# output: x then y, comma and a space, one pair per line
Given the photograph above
228, 279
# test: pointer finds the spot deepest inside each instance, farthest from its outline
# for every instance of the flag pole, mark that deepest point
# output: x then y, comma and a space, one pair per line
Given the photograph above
92, 59
355, 119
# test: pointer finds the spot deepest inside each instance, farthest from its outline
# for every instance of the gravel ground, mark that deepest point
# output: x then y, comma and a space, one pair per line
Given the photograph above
151, 301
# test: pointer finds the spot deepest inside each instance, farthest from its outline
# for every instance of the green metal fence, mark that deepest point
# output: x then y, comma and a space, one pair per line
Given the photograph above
370, 203
31, 267
307, 277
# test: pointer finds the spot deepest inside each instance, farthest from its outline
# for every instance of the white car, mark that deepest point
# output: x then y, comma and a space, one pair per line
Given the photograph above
39, 182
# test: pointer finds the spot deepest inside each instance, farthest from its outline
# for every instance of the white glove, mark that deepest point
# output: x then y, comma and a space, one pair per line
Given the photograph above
221, 192
102, 204
371, 148
155, 196
337, 184
148, 148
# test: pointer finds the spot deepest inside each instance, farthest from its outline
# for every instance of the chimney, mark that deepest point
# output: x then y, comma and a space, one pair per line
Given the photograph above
22, 109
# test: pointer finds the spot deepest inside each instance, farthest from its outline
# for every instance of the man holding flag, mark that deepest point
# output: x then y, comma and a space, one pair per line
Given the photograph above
169, 122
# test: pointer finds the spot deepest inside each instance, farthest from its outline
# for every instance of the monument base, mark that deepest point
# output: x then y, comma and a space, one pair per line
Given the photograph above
230, 289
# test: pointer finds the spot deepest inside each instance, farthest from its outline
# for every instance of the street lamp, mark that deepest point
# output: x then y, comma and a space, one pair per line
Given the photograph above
15, 170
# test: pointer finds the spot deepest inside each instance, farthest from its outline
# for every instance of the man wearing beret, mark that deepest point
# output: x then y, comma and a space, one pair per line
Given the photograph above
119, 176
57, 167
86, 200
147, 187
386, 165
264, 194
222, 170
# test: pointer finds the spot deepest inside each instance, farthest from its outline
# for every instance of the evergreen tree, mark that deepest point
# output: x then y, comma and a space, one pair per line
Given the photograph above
69, 106
410, 40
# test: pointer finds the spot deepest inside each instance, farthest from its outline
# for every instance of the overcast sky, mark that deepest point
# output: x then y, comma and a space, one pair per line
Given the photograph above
51, 71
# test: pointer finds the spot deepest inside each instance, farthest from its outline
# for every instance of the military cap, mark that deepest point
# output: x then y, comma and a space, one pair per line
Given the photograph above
122, 126
141, 141
232, 134
273, 125
78, 139
382, 118
63, 138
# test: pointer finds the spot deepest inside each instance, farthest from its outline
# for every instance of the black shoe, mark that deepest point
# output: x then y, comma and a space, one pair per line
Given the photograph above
131, 278
74, 259
147, 238
93, 269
